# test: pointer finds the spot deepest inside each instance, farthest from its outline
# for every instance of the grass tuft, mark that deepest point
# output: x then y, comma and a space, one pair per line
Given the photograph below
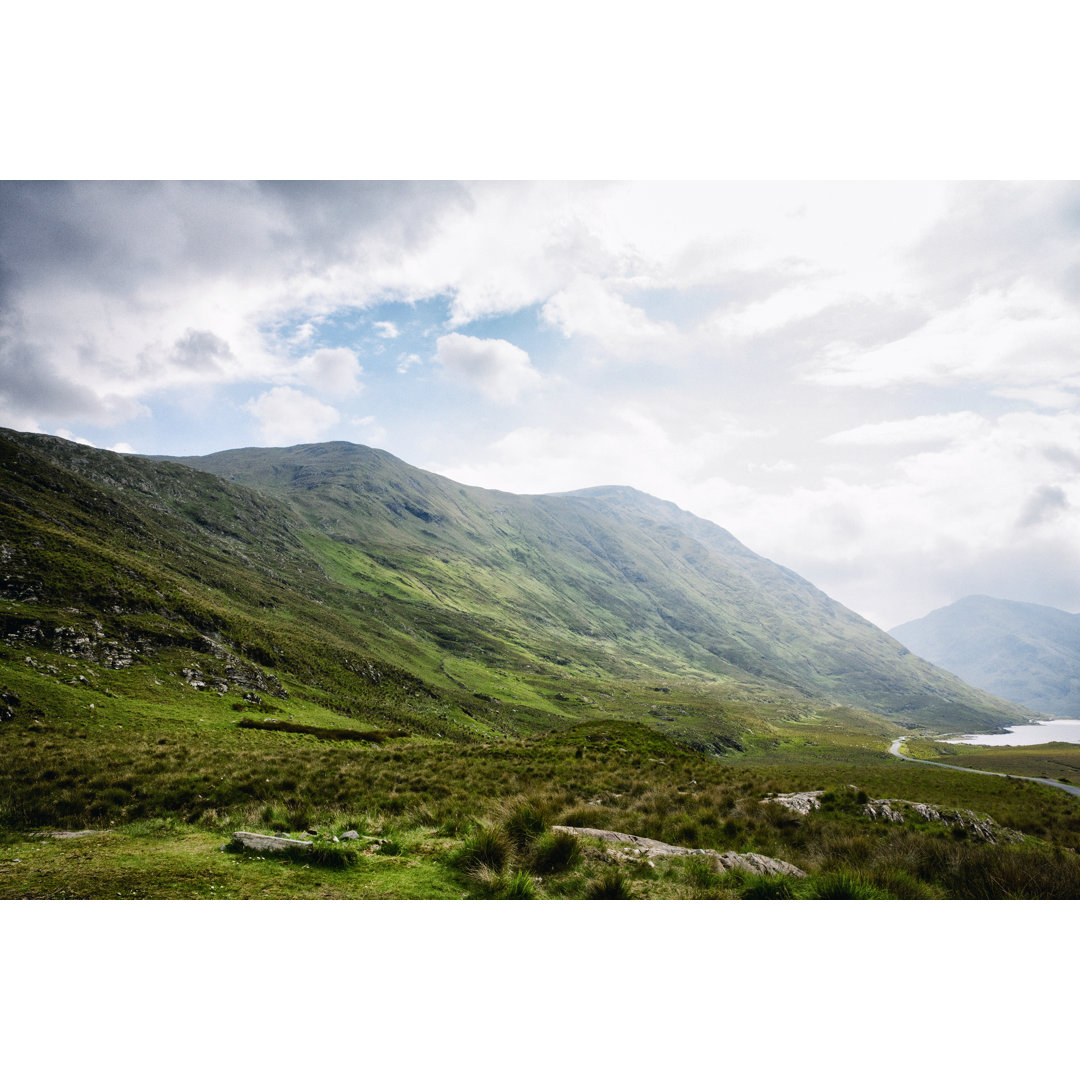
770, 887
523, 823
488, 847
842, 885
555, 852
519, 886
611, 885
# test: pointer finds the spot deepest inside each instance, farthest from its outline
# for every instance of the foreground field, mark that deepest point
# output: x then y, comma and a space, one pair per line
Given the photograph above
164, 788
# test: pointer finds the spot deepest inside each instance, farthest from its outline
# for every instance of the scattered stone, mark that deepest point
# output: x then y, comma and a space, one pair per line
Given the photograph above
352, 834
643, 846
258, 842
802, 802
312, 831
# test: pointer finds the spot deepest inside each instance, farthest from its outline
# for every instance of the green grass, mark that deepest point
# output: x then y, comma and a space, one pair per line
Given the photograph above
178, 755
1055, 761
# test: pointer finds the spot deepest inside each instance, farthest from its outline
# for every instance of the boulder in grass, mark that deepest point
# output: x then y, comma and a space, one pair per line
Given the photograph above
258, 842
627, 845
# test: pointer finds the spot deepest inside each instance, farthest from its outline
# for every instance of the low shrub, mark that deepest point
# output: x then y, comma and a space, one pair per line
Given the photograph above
769, 887
489, 846
487, 884
702, 874
844, 886
519, 886
331, 855
555, 852
611, 885
523, 823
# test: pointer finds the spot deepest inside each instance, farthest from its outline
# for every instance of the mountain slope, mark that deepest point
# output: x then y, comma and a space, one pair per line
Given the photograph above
609, 574
1026, 653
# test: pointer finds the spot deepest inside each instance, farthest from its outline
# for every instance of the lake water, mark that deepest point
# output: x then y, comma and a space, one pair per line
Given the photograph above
1066, 730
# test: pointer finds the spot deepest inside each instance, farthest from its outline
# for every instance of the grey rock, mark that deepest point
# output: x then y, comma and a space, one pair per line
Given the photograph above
893, 810
258, 842
802, 802
352, 834
981, 826
641, 846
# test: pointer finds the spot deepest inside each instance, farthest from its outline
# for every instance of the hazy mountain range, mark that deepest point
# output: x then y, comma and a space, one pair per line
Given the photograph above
1026, 653
447, 608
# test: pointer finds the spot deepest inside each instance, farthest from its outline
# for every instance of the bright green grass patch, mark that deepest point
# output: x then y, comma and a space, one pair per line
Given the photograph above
188, 864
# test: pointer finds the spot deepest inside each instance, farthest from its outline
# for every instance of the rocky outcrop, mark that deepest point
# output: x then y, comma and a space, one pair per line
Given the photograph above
644, 847
980, 826
802, 802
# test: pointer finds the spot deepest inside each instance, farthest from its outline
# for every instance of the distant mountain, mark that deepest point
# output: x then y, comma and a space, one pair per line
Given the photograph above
340, 573
1026, 653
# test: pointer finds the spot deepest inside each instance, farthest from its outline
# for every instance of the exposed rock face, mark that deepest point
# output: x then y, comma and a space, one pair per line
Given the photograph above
802, 802
750, 861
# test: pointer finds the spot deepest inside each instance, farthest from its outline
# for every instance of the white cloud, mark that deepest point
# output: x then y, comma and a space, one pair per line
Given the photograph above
781, 466
370, 431
940, 427
1010, 339
635, 442
288, 416
498, 369
63, 433
386, 330
591, 308
406, 361
973, 515
331, 371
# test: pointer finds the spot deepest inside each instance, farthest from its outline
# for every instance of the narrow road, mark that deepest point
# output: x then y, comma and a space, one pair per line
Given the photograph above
895, 750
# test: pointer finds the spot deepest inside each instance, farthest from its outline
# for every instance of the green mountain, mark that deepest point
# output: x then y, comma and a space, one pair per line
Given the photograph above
343, 577
1026, 653
625, 579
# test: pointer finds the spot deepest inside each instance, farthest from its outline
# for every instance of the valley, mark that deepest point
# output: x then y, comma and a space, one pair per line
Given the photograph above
323, 640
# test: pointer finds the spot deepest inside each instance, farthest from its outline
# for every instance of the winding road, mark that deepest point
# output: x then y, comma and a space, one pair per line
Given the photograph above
897, 743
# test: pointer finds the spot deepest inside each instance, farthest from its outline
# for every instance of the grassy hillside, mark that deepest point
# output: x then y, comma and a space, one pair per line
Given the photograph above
621, 578
1026, 653
342, 643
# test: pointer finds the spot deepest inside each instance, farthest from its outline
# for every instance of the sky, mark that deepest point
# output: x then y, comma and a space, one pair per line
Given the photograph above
873, 383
